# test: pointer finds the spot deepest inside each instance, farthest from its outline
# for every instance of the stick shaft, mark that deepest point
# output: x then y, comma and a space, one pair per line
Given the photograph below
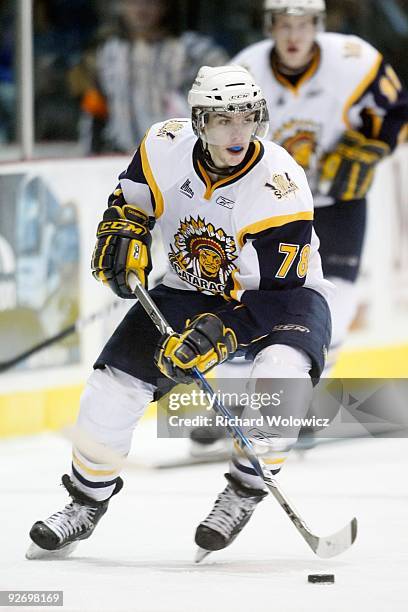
64, 333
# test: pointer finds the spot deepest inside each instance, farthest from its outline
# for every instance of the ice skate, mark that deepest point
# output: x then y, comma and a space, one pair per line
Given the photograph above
57, 536
232, 510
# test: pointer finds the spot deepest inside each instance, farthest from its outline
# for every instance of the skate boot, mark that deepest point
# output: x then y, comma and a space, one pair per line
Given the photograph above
232, 510
58, 535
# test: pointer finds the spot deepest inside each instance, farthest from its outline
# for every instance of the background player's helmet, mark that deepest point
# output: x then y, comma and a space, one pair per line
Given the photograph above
294, 7
230, 90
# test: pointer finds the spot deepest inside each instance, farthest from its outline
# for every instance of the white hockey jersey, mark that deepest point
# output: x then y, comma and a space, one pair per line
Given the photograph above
347, 85
250, 231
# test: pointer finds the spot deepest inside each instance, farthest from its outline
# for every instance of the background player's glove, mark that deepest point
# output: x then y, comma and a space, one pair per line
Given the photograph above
348, 171
122, 246
203, 344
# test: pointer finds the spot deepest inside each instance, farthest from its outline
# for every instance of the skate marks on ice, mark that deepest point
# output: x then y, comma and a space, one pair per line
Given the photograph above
263, 568
36, 553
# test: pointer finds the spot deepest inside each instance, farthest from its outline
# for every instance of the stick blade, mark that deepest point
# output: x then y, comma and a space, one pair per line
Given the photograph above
333, 545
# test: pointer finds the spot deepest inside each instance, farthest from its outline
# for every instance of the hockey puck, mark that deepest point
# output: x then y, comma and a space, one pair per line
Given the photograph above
321, 578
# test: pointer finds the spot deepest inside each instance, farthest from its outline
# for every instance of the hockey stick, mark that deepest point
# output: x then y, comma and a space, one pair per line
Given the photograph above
324, 547
67, 331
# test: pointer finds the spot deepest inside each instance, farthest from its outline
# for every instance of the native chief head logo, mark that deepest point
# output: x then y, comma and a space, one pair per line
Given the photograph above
202, 255
299, 137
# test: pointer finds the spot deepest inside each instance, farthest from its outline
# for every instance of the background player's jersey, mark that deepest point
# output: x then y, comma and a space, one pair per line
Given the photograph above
348, 85
248, 232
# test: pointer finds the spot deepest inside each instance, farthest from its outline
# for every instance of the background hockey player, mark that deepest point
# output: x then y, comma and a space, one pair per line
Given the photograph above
243, 278
338, 108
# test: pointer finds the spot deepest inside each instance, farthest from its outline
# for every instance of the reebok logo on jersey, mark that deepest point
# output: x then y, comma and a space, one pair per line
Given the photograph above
225, 202
313, 93
186, 189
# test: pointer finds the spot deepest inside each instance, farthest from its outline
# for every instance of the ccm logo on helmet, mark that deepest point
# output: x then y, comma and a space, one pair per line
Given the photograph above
240, 97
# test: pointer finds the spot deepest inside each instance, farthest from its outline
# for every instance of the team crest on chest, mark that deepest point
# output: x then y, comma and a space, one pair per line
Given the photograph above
299, 138
282, 185
170, 128
202, 255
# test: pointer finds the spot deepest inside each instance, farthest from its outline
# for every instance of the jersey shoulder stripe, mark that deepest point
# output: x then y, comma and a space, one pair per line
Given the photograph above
259, 227
151, 181
361, 88
348, 61
164, 138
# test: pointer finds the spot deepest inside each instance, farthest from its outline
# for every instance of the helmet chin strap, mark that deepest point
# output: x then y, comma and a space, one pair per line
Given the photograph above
209, 165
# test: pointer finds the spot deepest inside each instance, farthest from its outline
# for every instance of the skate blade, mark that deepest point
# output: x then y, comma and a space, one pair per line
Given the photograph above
36, 552
201, 554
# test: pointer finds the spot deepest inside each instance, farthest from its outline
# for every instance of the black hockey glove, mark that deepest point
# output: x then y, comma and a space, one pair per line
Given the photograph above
348, 171
203, 344
122, 246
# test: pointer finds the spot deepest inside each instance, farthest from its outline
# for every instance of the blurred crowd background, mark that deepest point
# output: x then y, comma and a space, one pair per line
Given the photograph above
100, 58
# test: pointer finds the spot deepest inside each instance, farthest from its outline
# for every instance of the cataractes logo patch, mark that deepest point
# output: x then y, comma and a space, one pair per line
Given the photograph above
170, 128
202, 255
282, 185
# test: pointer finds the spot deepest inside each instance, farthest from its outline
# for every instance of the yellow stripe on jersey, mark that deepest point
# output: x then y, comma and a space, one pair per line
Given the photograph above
391, 74
151, 181
403, 134
241, 344
377, 122
210, 188
91, 471
237, 286
360, 89
278, 221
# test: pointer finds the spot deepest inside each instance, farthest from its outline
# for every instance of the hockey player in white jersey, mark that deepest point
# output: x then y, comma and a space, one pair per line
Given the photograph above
338, 108
244, 277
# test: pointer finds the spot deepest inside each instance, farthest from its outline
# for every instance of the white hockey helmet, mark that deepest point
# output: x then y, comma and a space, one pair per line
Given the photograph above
230, 90
316, 8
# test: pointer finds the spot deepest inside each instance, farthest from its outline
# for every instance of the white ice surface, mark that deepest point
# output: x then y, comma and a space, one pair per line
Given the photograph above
141, 555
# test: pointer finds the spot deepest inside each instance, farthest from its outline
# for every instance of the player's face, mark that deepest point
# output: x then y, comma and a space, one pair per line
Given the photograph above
228, 136
142, 15
294, 37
